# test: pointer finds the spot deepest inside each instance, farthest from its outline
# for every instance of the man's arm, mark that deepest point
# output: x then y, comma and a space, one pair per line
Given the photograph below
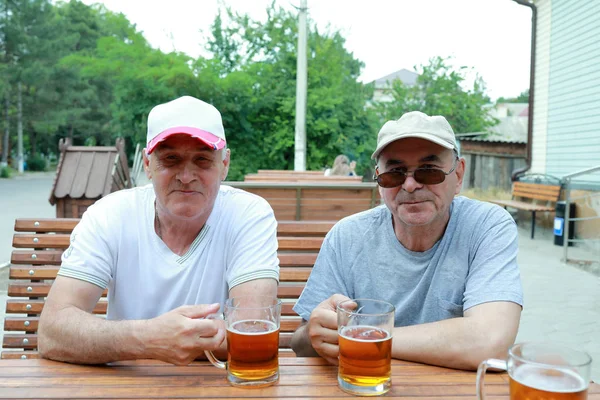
486, 331
69, 332
256, 287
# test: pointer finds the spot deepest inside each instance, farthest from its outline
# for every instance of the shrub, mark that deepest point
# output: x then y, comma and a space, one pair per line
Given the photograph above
4, 172
36, 163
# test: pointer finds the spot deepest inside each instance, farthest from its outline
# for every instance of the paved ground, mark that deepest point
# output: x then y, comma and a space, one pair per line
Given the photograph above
562, 302
22, 196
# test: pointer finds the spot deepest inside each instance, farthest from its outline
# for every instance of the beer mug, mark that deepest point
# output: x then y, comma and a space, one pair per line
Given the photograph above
365, 340
252, 341
542, 371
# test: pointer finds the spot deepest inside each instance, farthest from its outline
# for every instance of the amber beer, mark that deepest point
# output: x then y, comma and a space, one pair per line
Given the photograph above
531, 382
253, 347
365, 355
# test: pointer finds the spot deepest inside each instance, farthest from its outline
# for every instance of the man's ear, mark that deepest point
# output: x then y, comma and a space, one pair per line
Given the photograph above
226, 161
460, 174
147, 170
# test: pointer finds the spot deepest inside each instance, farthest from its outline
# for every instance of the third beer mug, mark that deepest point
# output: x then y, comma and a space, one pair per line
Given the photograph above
365, 340
252, 341
540, 371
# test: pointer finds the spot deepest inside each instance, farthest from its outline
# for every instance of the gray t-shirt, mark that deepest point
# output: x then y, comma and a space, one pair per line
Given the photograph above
474, 262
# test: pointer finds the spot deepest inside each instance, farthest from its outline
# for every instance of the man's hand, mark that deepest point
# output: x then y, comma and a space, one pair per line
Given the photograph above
322, 328
181, 335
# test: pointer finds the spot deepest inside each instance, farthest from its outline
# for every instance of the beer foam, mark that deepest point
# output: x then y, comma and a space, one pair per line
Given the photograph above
252, 327
365, 331
557, 380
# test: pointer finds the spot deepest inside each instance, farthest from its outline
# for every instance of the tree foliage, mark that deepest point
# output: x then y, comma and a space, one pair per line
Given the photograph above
88, 73
521, 98
440, 90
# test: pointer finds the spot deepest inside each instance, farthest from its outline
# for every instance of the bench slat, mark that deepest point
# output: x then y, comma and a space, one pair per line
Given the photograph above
53, 257
20, 341
27, 324
16, 306
20, 306
46, 224
534, 196
29, 341
38, 257
304, 228
523, 206
61, 241
300, 243
49, 272
38, 289
19, 355
30, 324
66, 225
42, 240
32, 355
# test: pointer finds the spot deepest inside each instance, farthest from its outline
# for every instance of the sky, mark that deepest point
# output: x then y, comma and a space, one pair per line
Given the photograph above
491, 36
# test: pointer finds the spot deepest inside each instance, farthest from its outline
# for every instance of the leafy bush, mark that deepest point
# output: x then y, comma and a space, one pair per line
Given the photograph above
4, 172
36, 163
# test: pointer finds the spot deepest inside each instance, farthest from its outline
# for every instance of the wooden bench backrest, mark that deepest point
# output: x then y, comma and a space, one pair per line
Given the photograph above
309, 201
35, 262
536, 191
286, 178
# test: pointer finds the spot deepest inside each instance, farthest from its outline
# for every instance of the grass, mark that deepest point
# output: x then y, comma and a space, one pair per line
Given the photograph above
486, 195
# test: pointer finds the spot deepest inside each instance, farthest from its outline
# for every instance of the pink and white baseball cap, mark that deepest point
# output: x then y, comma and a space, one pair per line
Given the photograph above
189, 116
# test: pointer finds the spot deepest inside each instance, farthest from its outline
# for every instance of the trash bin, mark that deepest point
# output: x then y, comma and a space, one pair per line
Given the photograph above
559, 222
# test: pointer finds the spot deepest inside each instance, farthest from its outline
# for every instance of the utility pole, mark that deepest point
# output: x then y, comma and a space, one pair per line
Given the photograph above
20, 159
300, 138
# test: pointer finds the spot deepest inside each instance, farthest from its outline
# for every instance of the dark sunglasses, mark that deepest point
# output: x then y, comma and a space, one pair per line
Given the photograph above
425, 176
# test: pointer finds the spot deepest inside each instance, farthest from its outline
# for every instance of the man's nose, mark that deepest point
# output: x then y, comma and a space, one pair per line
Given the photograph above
410, 184
186, 174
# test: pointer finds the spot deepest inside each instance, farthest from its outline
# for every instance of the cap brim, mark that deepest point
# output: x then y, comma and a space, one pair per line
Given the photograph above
213, 141
419, 135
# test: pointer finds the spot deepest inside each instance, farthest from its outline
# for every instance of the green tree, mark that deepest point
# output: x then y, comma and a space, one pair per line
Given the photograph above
251, 79
521, 98
440, 90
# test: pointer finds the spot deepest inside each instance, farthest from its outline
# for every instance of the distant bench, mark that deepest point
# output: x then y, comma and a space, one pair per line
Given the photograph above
314, 201
525, 196
41, 242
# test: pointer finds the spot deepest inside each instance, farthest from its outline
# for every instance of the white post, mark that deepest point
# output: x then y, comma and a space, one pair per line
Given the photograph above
20, 159
300, 138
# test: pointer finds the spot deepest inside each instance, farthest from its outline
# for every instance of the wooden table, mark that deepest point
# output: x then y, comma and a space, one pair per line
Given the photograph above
300, 378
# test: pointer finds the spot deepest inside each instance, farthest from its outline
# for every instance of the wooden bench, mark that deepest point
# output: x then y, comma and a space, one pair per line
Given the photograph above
40, 243
548, 195
314, 201
300, 177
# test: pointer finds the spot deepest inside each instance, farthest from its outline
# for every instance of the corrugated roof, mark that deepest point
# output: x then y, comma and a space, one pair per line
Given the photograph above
508, 130
90, 172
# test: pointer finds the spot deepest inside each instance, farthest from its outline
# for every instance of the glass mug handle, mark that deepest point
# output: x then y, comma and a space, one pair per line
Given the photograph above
491, 363
209, 354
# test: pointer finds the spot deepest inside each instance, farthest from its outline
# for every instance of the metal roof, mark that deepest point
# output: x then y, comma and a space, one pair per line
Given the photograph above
509, 130
90, 172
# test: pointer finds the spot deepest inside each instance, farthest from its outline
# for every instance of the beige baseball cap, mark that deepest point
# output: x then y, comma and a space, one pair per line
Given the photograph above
416, 124
185, 115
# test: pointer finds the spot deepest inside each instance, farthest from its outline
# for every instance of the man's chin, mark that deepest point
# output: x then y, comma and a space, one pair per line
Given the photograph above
416, 219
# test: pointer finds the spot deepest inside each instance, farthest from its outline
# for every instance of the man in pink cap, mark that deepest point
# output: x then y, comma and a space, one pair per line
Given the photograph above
169, 253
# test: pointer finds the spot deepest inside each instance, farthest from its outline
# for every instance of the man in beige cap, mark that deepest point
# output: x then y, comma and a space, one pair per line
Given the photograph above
169, 253
447, 264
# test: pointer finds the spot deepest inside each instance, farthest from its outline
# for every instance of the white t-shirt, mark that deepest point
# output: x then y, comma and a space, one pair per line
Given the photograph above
115, 246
